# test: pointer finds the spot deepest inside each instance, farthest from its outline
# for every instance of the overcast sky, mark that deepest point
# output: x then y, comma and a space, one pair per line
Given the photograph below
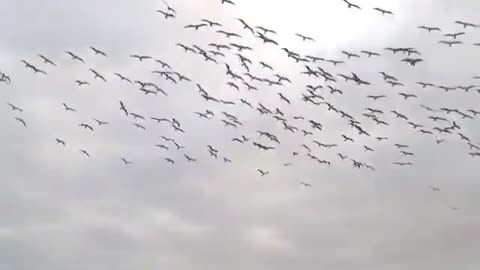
61, 210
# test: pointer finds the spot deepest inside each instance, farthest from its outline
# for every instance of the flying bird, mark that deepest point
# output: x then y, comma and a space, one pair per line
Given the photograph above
46, 60
351, 5
75, 57
383, 11
97, 51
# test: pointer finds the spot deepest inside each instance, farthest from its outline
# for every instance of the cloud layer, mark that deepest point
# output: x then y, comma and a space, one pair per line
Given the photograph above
61, 210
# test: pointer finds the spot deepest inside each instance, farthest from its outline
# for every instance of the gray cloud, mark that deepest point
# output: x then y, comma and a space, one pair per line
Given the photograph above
61, 210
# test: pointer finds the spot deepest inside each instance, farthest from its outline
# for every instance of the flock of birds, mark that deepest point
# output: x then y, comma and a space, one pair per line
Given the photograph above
441, 124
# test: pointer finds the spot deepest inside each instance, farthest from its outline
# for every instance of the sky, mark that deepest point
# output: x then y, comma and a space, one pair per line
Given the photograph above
61, 210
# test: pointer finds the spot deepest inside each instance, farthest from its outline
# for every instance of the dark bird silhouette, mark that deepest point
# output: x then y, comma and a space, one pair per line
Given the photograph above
123, 78
74, 56
189, 159
262, 173
166, 14
97, 75
265, 31
450, 43
429, 28
246, 26
383, 11
228, 34
195, 26
211, 23
455, 35
99, 52
304, 38
100, 123
307, 185
403, 163
126, 162
345, 138
369, 53
80, 83
21, 121
412, 61
350, 5
86, 126
47, 61
14, 108
141, 57
123, 108
67, 108
85, 153
59, 141
467, 24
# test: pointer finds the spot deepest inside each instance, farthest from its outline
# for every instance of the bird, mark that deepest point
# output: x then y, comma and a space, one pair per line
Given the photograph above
14, 108
467, 24
262, 173
86, 126
140, 57
246, 26
304, 38
455, 35
305, 184
21, 121
59, 141
126, 162
211, 23
98, 52
227, 2
75, 57
383, 11
80, 83
97, 75
167, 15
100, 123
67, 108
123, 108
85, 153
429, 28
195, 26
189, 159
350, 5
450, 43
47, 61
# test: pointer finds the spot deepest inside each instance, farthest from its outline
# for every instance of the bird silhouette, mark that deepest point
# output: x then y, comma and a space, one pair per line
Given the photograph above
21, 121
350, 5
98, 52
383, 11
75, 57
